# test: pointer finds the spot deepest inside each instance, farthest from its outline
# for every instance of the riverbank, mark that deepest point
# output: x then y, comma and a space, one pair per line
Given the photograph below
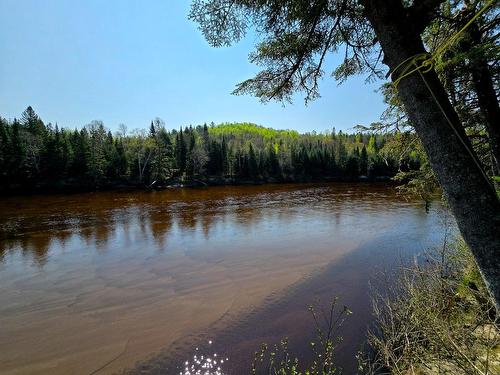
71, 187
435, 317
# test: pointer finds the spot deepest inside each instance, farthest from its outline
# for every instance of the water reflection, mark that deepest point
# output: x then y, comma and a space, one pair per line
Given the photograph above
30, 226
104, 280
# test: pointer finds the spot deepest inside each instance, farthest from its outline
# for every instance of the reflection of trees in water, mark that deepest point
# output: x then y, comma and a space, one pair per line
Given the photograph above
39, 246
36, 247
102, 234
196, 216
142, 217
160, 223
99, 218
12, 237
207, 222
187, 218
62, 236
86, 233
34, 235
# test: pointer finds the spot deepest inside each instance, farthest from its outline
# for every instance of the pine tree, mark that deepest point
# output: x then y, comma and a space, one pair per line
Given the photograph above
162, 160
363, 162
181, 152
252, 162
5, 152
96, 156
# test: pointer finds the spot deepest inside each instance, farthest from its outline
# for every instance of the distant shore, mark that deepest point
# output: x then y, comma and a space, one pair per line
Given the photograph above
70, 187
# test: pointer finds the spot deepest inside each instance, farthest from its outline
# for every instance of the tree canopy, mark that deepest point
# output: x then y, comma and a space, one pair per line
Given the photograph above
50, 157
393, 37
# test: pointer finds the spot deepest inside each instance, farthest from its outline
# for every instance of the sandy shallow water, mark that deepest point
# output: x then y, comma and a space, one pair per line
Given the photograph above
107, 282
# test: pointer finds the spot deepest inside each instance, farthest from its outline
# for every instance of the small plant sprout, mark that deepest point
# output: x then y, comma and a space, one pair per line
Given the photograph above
277, 359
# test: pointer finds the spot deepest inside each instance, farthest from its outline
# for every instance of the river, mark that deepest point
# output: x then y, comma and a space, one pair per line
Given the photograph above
102, 283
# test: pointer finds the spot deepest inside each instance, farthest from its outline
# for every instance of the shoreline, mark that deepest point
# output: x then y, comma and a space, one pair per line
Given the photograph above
176, 183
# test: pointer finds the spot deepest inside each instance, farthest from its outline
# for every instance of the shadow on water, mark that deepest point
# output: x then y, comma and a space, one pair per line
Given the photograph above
286, 315
165, 272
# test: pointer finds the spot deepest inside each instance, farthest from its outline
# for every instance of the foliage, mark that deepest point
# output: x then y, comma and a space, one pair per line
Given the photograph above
436, 317
456, 69
470, 72
249, 129
295, 38
278, 360
37, 155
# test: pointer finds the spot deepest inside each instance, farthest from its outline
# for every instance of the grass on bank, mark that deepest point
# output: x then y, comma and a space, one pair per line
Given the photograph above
436, 318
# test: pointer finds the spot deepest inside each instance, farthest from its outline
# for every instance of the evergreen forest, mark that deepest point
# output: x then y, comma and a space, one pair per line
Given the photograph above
35, 155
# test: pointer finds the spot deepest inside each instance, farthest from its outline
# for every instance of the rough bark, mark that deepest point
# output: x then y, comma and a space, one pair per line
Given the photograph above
471, 197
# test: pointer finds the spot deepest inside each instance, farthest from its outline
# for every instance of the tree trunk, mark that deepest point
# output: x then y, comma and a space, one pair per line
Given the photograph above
487, 98
471, 197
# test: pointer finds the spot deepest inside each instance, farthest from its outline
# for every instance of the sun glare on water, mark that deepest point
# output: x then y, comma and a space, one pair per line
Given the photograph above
202, 364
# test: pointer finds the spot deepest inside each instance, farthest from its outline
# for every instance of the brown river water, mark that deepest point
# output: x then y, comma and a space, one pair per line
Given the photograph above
135, 282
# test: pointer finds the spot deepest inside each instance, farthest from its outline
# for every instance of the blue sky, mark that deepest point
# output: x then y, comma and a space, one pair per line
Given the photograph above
124, 61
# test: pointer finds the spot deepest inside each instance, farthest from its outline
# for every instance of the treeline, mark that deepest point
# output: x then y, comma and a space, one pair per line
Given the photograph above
34, 155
